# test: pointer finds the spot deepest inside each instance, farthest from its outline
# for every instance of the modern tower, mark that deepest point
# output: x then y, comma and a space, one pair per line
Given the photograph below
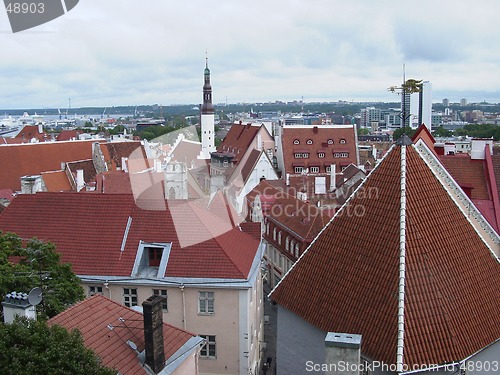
207, 118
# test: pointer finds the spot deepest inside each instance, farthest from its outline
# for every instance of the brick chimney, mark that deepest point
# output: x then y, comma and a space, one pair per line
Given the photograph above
153, 333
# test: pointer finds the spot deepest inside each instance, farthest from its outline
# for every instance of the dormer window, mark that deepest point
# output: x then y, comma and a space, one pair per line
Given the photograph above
330, 142
309, 142
296, 142
155, 254
151, 259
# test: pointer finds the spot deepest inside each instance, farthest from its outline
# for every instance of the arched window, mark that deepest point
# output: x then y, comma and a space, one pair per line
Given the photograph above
309, 142
343, 141
330, 141
275, 231
296, 142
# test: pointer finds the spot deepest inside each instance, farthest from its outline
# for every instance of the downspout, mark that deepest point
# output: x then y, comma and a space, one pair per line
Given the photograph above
183, 307
402, 264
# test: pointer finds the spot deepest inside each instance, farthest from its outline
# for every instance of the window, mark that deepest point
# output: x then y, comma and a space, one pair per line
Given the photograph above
330, 142
275, 231
309, 142
279, 237
343, 141
208, 350
163, 294
340, 154
296, 142
297, 155
206, 303
130, 297
314, 169
321, 154
328, 169
95, 290
296, 250
287, 243
298, 169
305, 155
155, 256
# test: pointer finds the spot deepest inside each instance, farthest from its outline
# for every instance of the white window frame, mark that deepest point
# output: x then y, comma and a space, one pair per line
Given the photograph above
95, 289
209, 345
314, 169
130, 297
298, 169
163, 293
206, 302
321, 155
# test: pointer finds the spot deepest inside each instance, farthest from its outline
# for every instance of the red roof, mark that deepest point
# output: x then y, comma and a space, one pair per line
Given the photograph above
56, 181
312, 139
32, 159
238, 139
93, 317
67, 135
347, 281
88, 230
32, 131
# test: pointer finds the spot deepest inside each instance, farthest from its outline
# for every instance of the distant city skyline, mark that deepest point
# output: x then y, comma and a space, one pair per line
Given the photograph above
121, 53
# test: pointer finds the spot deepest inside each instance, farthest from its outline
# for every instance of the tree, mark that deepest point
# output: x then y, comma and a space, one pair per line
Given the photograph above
442, 132
37, 264
399, 132
32, 347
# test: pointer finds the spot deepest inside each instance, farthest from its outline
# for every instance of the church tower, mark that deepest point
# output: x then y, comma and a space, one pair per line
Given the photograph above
207, 118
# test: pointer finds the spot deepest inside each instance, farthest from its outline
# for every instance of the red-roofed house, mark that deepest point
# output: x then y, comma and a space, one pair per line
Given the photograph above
118, 335
207, 270
35, 158
476, 172
31, 134
314, 153
289, 226
403, 269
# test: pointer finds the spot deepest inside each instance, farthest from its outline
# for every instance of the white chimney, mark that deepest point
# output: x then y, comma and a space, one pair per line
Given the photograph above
80, 181
40, 128
340, 349
333, 175
124, 164
17, 304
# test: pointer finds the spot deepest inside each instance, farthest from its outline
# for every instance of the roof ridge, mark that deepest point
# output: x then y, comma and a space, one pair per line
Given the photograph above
402, 260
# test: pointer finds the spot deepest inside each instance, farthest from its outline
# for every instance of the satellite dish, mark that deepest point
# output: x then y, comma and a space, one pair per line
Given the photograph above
35, 296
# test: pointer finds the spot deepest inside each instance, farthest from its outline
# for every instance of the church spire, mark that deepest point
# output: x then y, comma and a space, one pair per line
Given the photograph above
207, 118
207, 107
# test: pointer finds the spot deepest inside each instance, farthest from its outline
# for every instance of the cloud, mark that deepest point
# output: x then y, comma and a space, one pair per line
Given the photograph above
119, 52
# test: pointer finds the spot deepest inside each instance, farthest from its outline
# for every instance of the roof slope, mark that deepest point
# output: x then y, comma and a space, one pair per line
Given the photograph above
347, 281
92, 317
238, 139
89, 230
32, 159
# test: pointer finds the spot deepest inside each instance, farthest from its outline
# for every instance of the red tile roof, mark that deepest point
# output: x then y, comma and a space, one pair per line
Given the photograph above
238, 139
56, 181
87, 166
319, 135
67, 135
92, 318
7, 194
114, 152
32, 159
88, 230
347, 281
31, 131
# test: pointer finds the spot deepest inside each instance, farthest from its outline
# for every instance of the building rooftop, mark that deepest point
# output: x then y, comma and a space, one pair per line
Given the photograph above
348, 279
107, 328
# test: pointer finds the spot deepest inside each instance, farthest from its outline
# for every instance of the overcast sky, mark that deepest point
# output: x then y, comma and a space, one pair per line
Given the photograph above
124, 52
